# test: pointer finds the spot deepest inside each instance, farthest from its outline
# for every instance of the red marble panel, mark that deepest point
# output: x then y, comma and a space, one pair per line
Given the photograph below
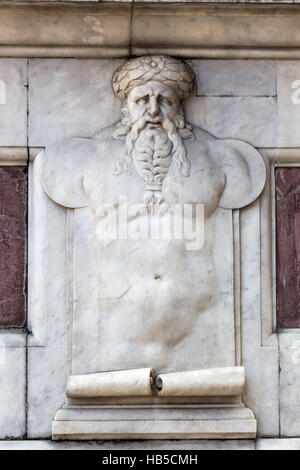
12, 246
288, 247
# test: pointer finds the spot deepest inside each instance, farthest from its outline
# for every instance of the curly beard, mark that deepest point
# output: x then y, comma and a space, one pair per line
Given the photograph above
152, 148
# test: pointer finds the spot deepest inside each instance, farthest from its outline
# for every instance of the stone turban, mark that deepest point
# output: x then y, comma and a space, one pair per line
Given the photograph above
173, 72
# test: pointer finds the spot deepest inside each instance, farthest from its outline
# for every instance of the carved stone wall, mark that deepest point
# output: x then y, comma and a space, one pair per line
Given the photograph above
45, 97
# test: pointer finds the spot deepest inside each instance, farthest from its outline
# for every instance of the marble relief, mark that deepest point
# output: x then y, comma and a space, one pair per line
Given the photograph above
144, 302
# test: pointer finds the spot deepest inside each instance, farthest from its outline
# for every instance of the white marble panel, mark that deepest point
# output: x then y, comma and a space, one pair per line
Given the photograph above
235, 77
47, 363
13, 102
46, 385
289, 384
261, 363
278, 444
70, 98
37, 233
252, 119
288, 82
12, 391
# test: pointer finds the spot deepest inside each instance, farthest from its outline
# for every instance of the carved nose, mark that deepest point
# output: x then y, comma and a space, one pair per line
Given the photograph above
154, 108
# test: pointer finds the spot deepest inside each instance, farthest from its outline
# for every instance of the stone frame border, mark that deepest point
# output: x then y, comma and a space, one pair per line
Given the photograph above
50, 29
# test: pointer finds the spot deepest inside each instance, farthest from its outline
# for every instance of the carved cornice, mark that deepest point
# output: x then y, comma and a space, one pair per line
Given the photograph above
13, 156
51, 29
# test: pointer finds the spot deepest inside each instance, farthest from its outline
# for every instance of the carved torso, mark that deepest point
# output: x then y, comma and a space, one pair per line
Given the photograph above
148, 303
162, 283
204, 185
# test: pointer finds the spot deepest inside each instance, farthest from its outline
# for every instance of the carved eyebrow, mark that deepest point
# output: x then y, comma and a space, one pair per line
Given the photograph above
167, 97
167, 94
142, 97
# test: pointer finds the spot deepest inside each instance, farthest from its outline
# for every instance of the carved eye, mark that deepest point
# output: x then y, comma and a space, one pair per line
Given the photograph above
143, 100
165, 100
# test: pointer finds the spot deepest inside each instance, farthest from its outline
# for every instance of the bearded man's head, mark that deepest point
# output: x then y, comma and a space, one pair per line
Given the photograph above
151, 89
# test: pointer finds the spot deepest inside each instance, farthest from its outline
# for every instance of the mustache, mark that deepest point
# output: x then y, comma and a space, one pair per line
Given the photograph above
139, 125
151, 119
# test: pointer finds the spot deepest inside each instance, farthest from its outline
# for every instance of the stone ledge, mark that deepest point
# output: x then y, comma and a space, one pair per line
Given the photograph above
118, 29
148, 422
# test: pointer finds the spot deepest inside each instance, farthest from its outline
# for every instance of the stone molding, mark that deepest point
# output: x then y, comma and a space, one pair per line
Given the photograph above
13, 156
17, 156
118, 29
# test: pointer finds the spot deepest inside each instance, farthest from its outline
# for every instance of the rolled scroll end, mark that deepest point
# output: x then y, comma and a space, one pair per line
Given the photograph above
123, 383
158, 383
221, 381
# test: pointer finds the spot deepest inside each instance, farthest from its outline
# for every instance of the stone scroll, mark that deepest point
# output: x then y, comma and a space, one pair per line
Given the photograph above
111, 384
221, 381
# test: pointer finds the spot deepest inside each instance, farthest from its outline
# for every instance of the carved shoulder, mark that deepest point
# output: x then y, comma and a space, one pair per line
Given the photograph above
67, 161
243, 166
63, 171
